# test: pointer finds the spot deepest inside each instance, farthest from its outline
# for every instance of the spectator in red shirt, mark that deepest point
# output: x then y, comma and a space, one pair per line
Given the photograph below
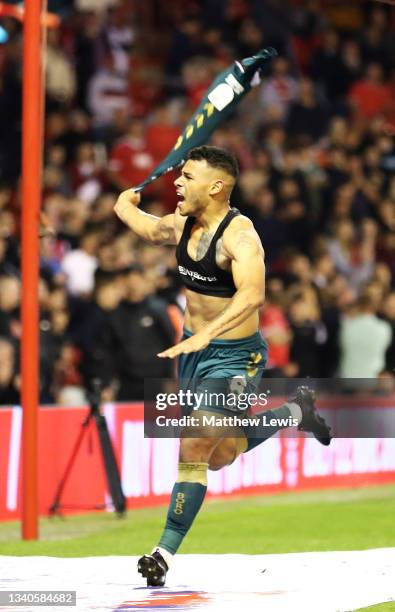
275, 327
370, 96
197, 75
131, 160
163, 131
162, 135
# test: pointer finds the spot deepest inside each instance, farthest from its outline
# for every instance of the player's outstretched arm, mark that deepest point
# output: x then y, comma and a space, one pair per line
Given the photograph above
248, 268
157, 230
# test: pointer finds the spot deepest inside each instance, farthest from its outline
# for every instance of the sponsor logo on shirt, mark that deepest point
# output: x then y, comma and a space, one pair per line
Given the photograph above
196, 275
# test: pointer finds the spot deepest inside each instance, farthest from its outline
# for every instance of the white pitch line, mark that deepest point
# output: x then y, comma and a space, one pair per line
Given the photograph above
324, 581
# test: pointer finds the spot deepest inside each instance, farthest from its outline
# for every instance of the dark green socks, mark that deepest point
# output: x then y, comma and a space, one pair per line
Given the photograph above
270, 422
186, 500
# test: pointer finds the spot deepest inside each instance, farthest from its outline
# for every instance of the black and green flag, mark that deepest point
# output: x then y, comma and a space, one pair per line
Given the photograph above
223, 95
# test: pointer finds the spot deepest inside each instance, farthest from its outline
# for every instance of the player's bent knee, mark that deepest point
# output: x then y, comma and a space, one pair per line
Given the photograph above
196, 449
220, 461
226, 453
215, 466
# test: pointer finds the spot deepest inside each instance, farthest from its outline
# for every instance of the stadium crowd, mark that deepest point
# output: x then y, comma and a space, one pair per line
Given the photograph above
315, 144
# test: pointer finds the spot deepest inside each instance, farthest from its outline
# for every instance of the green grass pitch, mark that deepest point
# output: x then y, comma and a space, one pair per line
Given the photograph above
343, 519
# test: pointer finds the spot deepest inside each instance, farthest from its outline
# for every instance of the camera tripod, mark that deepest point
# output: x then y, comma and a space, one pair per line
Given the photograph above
107, 451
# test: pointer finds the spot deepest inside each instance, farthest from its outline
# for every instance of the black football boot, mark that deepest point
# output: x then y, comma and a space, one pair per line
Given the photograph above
154, 568
311, 420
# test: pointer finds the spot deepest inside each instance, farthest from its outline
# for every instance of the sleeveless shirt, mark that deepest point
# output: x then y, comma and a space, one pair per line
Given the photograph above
205, 276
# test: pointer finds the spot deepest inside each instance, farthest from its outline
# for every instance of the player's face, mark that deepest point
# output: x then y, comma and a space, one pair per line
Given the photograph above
193, 187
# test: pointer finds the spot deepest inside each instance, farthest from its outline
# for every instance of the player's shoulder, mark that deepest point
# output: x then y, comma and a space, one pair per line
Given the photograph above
240, 231
240, 223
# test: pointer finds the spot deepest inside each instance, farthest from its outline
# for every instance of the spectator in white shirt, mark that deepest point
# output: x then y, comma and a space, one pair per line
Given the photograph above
364, 339
80, 264
107, 93
279, 90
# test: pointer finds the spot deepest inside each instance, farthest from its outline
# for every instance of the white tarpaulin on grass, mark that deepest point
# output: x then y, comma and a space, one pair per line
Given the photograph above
324, 581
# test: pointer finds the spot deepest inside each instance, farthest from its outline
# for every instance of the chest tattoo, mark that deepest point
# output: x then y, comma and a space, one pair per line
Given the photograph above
204, 243
218, 248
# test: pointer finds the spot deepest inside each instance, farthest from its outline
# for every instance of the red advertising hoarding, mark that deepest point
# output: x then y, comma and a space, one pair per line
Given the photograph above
148, 466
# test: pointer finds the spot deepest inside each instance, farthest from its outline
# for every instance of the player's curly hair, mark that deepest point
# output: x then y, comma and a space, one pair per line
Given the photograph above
217, 158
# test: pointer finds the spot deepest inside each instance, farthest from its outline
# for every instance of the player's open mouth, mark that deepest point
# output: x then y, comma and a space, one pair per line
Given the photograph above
181, 198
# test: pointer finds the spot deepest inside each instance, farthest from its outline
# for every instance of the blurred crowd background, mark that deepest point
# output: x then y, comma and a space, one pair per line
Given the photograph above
315, 143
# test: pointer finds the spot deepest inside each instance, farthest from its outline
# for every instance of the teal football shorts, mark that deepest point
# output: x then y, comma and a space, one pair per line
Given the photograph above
221, 370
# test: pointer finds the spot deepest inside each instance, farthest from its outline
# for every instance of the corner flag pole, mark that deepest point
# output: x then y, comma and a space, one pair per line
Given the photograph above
31, 194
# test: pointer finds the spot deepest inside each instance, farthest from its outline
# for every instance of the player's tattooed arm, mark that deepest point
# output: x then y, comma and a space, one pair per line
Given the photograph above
164, 232
248, 269
157, 230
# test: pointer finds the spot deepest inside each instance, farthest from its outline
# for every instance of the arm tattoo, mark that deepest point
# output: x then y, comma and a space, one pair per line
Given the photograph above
245, 240
166, 232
